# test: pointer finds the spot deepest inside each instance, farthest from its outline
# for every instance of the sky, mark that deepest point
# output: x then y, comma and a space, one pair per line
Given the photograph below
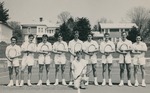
25, 11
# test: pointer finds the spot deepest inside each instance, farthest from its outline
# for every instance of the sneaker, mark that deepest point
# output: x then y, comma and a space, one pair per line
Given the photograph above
47, 82
129, 83
64, 82
104, 82
110, 83
87, 83
17, 83
56, 82
39, 83
143, 83
70, 83
21, 83
136, 83
95, 81
10, 83
29, 83
121, 83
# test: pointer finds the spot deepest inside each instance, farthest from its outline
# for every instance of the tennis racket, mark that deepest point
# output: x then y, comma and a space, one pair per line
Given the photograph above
107, 50
77, 47
12, 52
61, 47
45, 50
91, 49
137, 49
123, 49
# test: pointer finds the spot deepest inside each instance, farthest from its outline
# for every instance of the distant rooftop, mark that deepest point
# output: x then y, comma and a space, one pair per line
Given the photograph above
118, 25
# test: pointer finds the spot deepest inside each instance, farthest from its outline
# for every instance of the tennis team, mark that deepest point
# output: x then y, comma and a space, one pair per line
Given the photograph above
82, 61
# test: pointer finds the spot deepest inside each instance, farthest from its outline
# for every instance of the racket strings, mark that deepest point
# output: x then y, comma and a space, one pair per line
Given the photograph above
77, 47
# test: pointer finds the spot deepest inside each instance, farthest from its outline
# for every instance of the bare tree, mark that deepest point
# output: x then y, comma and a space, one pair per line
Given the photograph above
138, 15
64, 16
104, 20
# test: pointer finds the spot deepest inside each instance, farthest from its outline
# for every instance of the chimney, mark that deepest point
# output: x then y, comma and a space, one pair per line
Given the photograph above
41, 19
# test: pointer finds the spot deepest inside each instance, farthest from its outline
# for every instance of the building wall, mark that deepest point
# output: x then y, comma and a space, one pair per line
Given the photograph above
5, 33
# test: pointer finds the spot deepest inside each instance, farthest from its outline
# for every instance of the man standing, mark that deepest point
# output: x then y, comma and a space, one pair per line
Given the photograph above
139, 49
106, 48
44, 48
90, 56
72, 46
59, 48
12, 52
124, 47
28, 49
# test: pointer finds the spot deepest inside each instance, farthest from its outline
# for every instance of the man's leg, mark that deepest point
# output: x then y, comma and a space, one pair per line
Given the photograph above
135, 75
94, 68
88, 69
10, 69
109, 73
62, 73
17, 75
143, 75
41, 66
22, 75
29, 75
56, 74
70, 74
122, 67
128, 67
104, 65
47, 74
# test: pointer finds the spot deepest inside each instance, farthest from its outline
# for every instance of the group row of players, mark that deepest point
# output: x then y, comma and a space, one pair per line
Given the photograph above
107, 47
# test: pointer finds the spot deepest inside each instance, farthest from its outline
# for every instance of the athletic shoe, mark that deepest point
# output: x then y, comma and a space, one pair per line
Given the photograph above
10, 83
56, 82
110, 83
64, 82
47, 82
129, 83
104, 82
39, 83
121, 83
136, 83
17, 83
143, 83
21, 83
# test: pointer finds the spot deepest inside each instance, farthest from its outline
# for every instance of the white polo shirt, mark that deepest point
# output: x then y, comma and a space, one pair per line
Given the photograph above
71, 47
91, 59
127, 56
15, 61
44, 59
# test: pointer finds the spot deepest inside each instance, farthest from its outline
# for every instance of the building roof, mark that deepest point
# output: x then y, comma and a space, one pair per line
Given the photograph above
117, 25
43, 23
6, 25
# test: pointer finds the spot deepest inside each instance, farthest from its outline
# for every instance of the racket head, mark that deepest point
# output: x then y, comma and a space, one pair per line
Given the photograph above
108, 48
61, 47
77, 47
92, 48
124, 47
44, 47
12, 52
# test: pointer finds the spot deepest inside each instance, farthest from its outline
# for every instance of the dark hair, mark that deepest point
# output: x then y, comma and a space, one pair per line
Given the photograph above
59, 34
106, 34
76, 32
31, 35
123, 33
13, 38
90, 34
45, 35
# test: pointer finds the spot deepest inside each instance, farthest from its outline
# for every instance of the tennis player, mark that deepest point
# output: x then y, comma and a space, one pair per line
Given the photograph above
28, 49
13, 62
139, 49
44, 59
72, 46
91, 57
124, 58
59, 48
107, 57
79, 69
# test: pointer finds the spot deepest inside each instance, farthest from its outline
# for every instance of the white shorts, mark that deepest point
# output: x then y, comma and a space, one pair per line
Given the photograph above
14, 63
92, 59
108, 59
139, 60
127, 59
44, 59
60, 59
27, 61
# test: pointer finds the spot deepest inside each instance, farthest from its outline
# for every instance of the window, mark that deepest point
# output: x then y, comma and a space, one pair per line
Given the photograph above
114, 30
39, 30
29, 30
